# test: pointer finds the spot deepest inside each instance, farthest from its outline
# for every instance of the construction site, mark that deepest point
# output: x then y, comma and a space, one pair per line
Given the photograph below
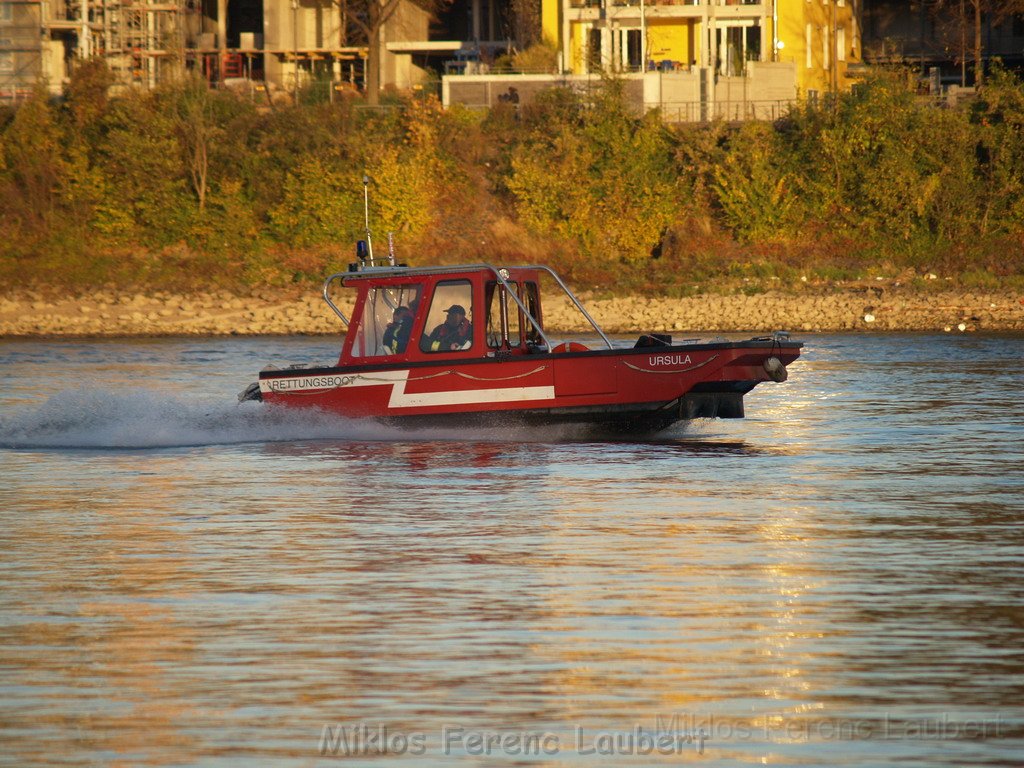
279, 45
145, 42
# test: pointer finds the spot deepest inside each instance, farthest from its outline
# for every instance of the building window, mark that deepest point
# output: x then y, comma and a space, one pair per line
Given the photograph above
807, 46
826, 60
841, 44
634, 50
6, 56
6, 12
594, 44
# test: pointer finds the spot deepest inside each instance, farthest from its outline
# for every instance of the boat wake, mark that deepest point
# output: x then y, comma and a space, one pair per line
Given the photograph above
102, 419
106, 420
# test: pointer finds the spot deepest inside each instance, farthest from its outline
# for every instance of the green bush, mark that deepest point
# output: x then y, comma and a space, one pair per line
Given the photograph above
599, 176
188, 185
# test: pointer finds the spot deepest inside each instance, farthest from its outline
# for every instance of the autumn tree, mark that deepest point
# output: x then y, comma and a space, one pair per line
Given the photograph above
33, 168
86, 93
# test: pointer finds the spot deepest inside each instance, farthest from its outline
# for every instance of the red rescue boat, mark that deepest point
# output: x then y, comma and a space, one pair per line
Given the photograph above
467, 344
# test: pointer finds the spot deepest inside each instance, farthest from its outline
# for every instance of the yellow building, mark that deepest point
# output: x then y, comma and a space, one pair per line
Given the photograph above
820, 37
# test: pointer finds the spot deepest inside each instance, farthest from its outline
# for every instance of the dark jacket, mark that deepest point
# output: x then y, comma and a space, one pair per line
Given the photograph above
446, 338
396, 336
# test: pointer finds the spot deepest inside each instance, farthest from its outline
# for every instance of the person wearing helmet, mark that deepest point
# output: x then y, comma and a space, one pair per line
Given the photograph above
397, 332
454, 333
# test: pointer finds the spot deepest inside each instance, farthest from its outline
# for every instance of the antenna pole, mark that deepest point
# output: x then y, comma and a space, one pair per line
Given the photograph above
366, 215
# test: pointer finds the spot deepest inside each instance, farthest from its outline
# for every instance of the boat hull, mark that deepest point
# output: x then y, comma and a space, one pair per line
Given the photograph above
618, 390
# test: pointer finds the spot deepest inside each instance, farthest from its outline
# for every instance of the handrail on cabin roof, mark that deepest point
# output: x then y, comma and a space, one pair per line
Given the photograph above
388, 271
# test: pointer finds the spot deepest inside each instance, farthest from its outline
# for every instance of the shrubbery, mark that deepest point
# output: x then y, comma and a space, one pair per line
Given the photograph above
189, 186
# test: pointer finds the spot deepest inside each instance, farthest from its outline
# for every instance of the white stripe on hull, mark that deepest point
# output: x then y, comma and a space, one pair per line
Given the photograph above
399, 397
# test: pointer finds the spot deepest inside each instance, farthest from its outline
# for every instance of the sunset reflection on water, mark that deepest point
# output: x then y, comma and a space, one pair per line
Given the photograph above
834, 580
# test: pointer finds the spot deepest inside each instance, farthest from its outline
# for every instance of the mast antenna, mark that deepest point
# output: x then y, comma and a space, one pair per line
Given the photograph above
366, 215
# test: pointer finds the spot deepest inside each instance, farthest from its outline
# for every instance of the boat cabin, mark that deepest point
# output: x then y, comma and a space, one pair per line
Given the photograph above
405, 314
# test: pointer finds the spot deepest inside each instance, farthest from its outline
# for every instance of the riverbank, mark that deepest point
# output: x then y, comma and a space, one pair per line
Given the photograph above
858, 308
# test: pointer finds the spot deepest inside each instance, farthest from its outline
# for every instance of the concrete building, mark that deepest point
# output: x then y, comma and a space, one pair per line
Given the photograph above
917, 33
24, 56
283, 43
142, 41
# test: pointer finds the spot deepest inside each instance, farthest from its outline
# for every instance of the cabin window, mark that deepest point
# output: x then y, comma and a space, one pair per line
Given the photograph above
449, 325
386, 323
531, 298
502, 334
515, 320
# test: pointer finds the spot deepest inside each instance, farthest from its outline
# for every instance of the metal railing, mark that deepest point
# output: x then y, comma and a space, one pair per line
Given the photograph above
622, 3
692, 111
730, 111
462, 268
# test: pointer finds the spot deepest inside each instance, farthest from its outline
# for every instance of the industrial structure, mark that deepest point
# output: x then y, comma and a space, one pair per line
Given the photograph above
282, 43
147, 41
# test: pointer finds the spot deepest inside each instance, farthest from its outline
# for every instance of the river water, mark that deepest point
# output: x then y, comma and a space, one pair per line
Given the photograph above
838, 579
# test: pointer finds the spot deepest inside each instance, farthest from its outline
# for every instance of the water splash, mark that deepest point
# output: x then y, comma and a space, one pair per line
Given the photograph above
104, 419
93, 418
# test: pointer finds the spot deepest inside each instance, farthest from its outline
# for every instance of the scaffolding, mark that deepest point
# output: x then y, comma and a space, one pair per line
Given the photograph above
141, 40
149, 42
22, 57
144, 40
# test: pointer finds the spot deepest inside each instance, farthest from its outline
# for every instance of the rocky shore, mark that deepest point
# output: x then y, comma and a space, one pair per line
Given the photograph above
862, 308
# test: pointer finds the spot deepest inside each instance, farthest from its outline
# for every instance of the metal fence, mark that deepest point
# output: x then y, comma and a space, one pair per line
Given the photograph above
687, 111
599, 3
732, 111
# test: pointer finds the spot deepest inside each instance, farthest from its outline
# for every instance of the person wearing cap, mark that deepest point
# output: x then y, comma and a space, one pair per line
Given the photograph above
396, 335
454, 333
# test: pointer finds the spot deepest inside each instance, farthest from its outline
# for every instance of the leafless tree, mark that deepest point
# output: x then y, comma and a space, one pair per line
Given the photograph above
368, 17
958, 19
197, 131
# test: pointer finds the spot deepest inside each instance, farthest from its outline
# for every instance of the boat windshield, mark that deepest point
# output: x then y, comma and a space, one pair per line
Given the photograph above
387, 320
449, 325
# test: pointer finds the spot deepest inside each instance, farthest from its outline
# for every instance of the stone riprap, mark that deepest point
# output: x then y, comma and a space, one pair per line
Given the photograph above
107, 313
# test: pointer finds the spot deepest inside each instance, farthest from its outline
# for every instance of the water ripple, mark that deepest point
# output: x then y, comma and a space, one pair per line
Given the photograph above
836, 580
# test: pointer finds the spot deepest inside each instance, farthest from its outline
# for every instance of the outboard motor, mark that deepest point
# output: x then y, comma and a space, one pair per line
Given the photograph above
252, 392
